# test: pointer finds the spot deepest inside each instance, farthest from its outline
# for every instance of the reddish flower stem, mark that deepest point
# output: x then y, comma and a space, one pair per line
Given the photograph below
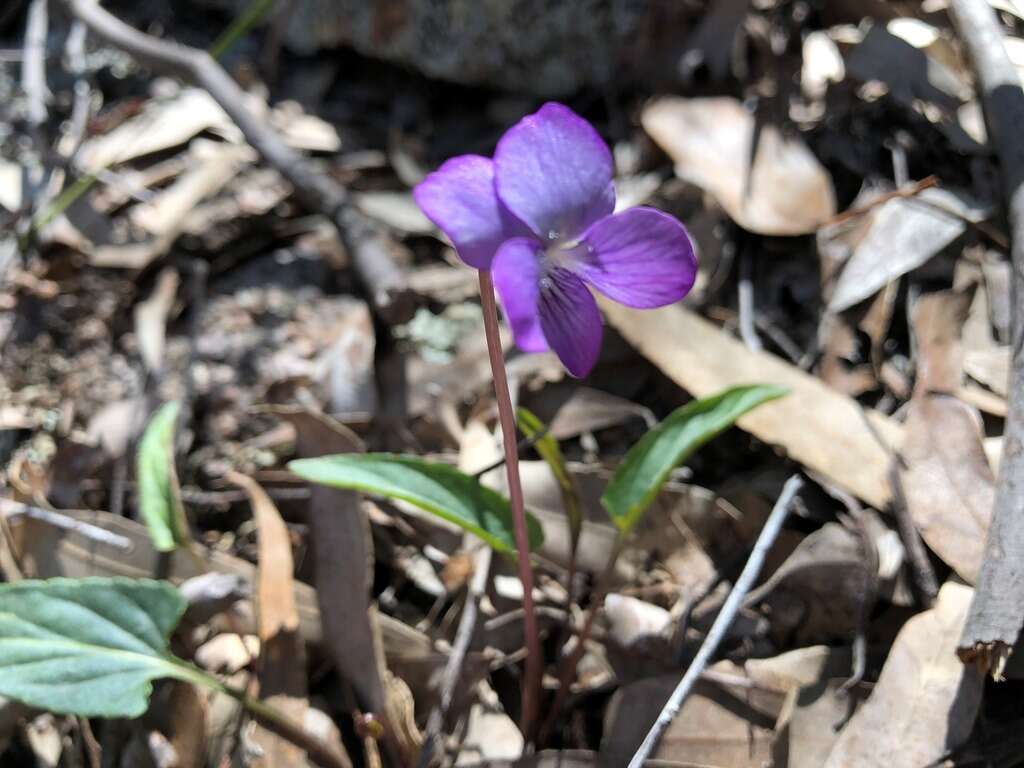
506, 417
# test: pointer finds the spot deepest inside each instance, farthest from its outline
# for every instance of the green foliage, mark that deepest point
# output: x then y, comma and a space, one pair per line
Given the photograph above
159, 495
436, 488
534, 429
89, 647
646, 467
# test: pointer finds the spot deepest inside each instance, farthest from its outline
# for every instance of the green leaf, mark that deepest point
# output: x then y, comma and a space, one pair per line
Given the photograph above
89, 647
159, 495
645, 468
534, 429
436, 488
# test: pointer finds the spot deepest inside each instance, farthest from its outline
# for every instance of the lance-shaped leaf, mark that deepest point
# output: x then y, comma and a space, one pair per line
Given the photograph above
89, 647
436, 488
534, 429
646, 467
159, 495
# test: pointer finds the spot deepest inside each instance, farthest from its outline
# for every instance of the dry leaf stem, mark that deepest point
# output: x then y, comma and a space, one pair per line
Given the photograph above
371, 253
723, 621
997, 609
506, 416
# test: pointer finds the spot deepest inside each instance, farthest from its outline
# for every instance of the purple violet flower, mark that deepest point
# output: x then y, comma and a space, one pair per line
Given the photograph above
539, 216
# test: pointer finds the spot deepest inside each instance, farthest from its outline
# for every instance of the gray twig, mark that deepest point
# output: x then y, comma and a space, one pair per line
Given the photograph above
33, 83
453, 669
997, 610
370, 250
920, 566
74, 52
745, 288
723, 621
13, 509
33, 65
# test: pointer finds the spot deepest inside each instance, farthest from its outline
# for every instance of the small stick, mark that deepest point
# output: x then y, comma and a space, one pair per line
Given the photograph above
912, 191
924, 575
745, 291
996, 614
10, 509
507, 419
370, 250
723, 621
33, 67
453, 669
33, 83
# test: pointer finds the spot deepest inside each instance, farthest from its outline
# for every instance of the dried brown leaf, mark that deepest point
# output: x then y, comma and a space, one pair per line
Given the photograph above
947, 480
282, 668
817, 426
926, 700
151, 319
709, 140
717, 725
938, 319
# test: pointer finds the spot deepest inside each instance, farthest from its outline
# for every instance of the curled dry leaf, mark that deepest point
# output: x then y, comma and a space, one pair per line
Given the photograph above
926, 700
938, 319
899, 236
949, 485
282, 668
709, 140
151, 319
819, 592
807, 724
990, 367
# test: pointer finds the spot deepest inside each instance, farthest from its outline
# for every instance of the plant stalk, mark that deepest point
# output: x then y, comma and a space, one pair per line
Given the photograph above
506, 417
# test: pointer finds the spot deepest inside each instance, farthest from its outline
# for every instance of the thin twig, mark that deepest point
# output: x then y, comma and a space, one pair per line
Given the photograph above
74, 51
10, 509
910, 191
996, 613
33, 83
507, 419
925, 580
33, 67
453, 669
370, 250
745, 291
723, 621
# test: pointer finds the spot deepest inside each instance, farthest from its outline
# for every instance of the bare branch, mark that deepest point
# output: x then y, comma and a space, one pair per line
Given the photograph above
369, 248
997, 610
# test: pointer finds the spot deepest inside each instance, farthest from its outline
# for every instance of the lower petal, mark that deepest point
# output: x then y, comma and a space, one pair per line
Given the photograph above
516, 274
640, 258
570, 320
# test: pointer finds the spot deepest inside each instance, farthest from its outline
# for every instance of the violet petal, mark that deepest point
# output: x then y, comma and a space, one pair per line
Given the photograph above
640, 258
459, 198
570, 320
554, 172
516, 274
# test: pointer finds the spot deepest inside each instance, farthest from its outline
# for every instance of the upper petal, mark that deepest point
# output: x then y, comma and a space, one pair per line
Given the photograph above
554, 172
570, 320
459, 197
640, 257
516, 274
